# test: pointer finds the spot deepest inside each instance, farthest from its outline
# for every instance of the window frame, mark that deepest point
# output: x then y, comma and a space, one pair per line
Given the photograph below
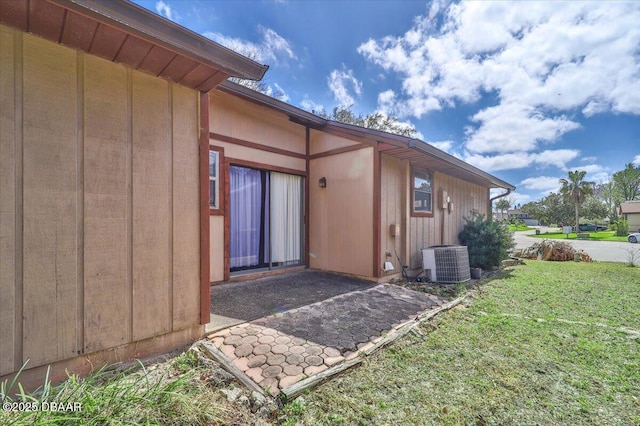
421, 173
219, 180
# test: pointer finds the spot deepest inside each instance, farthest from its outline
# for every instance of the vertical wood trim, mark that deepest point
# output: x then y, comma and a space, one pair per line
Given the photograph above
306, 195
18, 127
377, 206
227, 220
80, 204
129, 168
205, 260
170, 204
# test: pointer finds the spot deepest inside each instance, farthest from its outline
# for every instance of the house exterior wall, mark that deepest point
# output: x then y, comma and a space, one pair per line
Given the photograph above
99, 206
634, 221
324, 142
253, 136
417, 233
341, 215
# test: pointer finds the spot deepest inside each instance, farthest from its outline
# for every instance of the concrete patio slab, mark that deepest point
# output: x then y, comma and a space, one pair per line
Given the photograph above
279, 350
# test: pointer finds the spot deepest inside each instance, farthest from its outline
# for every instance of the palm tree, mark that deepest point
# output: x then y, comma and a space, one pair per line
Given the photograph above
502, 205
576, 190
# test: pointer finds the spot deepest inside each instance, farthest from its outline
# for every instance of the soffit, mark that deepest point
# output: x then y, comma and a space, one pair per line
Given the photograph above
125, 33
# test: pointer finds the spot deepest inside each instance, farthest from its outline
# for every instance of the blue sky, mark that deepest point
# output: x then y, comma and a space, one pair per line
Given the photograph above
523, 90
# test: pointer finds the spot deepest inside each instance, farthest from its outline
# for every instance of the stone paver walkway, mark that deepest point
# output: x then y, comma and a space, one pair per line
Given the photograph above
280, 350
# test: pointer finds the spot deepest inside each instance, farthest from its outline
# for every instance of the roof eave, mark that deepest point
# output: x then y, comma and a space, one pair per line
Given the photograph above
435, 152
294, 113
306, 118
151, 27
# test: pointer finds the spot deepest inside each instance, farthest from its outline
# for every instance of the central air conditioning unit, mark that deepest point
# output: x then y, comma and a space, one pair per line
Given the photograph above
446, 264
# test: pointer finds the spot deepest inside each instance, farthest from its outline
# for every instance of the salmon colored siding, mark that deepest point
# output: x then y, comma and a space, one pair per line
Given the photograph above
341, 215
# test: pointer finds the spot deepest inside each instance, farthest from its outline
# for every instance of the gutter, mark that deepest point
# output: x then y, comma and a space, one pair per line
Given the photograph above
491, 200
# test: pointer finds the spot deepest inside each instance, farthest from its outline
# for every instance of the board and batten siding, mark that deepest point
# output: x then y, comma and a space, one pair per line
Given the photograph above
99, 204
421, 232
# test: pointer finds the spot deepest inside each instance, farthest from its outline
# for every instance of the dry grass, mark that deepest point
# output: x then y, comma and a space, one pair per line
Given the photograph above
551, 343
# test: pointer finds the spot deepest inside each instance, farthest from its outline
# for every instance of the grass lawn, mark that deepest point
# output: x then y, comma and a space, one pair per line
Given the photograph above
593, 236
550, 343
518, 228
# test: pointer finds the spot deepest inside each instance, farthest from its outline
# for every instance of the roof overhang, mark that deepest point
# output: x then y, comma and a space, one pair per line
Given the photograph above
295, 114
629, 207
123, 32
420, 154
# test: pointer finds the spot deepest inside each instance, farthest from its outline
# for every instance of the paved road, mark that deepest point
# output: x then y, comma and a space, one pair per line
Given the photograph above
606, 251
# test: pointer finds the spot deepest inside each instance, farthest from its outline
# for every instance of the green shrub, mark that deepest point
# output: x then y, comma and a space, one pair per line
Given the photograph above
621, 227
487, 240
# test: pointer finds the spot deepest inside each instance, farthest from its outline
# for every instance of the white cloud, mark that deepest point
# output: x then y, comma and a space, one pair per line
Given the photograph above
446, 146
271, 49
517, 160
311, 106
588, 159
163, 9
344, 86
514, 127
541, 183
542, 64
276, 91
636, 160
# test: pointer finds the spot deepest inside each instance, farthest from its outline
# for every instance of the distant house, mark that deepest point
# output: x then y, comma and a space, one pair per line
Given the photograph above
519, 214
133, 175
630, 210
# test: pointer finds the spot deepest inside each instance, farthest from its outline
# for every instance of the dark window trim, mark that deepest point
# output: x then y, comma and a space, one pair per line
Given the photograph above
413, 176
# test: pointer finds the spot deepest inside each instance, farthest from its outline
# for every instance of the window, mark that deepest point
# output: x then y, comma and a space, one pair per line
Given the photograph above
214, 186
422, 193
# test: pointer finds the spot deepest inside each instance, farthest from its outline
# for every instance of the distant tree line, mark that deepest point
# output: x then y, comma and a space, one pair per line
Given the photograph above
580, 198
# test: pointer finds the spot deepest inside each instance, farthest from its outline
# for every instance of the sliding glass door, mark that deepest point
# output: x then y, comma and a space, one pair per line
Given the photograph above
266, 223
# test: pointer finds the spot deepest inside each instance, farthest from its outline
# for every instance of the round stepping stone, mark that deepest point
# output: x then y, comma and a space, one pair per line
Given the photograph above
269, 332
249, 339
313, 350
314, 360
331, 352
271, 371
296, 349
298, 341
295, 359
261, 349
266, 339
243, 350
279, 349
275, 359
232, 340
292, 370
257, 361
253, 331
282, 340
237, 331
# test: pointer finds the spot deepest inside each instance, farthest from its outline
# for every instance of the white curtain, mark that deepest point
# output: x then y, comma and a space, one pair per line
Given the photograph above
285, 217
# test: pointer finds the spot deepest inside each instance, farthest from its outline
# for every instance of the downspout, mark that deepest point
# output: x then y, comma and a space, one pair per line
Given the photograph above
491, 200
